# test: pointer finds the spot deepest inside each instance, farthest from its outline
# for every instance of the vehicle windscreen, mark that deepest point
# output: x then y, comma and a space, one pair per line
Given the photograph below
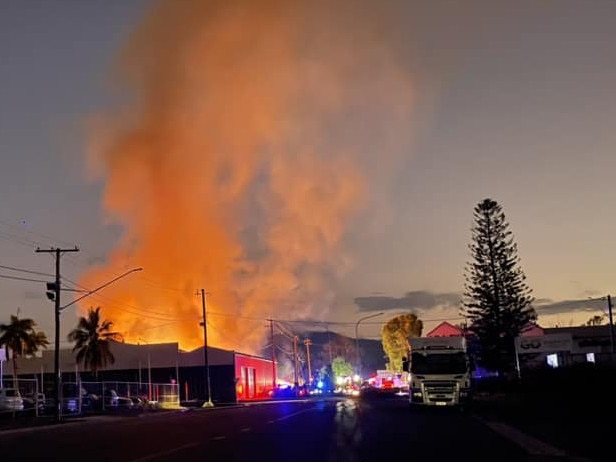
438, 363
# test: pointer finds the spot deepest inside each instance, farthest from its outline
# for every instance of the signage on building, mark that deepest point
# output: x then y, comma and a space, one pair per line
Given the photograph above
548, 343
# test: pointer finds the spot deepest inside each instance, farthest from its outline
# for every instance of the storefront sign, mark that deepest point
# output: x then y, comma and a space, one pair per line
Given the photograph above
548, 343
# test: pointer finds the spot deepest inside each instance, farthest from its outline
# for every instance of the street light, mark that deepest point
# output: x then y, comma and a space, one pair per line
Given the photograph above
358, 365
100, 287
56, 372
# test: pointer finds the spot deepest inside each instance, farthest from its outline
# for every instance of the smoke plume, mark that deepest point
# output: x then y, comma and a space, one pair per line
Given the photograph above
248, 142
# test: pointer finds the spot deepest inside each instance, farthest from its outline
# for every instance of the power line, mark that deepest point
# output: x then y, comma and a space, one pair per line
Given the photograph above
121, 306
22, 270
29, 231
17, 278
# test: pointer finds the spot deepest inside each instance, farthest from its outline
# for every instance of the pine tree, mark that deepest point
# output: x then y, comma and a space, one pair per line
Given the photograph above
497, 301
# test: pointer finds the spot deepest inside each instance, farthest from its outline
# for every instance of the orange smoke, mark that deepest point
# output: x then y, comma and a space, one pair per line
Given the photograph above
240, 161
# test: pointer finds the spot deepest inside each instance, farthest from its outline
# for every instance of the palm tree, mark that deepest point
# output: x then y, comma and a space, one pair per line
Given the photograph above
20, 337
92, 336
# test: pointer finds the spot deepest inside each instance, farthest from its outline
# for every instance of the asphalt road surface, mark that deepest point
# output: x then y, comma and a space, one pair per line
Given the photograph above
326, 430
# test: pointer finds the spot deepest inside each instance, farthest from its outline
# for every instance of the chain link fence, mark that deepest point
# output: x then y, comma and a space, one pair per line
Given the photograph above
25, 396
109, 396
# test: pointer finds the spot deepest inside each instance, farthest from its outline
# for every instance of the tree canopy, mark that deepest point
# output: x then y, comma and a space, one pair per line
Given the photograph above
341, 368
395, 337
92, 337
21, 339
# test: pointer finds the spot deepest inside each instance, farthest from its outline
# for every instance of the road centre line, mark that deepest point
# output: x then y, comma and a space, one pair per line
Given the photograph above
288, 416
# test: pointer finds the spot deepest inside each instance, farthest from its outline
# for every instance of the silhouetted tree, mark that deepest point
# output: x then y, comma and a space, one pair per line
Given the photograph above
92, 337
596, 320
395, 337
21, 339
497, 301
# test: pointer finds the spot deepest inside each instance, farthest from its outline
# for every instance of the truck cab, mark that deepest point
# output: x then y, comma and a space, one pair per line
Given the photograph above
439, 371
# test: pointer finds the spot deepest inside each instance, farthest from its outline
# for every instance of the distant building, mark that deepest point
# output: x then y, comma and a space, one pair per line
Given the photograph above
233, 376
565, 346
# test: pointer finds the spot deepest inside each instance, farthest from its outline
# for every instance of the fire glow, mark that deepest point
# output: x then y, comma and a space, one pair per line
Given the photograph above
240, 162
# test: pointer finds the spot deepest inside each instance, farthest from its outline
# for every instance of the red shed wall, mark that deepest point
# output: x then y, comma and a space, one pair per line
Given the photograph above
254, 377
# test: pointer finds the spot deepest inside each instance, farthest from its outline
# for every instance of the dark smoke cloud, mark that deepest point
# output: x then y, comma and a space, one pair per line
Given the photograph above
416, 300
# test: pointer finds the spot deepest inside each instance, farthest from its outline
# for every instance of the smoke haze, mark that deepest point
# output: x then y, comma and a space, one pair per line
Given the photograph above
252, 135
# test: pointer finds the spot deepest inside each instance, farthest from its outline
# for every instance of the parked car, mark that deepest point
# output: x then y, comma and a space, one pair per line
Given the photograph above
35, 400
111, 398
11, 400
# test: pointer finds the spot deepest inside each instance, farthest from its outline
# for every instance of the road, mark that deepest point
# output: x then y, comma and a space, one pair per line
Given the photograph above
326, 430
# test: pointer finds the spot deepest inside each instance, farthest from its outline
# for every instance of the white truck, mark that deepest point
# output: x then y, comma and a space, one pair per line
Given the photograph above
439, 371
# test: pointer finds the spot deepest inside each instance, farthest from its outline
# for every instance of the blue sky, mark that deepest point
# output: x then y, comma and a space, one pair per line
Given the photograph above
509, 100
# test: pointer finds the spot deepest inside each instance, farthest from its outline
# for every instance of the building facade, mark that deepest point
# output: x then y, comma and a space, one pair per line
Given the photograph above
233, 376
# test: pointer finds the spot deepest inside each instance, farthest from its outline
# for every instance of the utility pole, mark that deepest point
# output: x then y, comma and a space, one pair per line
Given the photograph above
206, 363
308, 342
609, 308
53, 293
271, 321
295, 339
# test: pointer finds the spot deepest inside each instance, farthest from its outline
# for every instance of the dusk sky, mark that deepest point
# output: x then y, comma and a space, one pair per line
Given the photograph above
302, 161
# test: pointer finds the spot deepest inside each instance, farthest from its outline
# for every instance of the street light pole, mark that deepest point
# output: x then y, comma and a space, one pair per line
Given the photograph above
357, 351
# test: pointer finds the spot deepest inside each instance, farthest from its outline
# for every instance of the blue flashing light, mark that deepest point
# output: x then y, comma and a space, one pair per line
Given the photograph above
320, 384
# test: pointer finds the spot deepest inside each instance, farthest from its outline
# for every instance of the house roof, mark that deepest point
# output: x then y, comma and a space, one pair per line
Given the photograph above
532, 330
445, 329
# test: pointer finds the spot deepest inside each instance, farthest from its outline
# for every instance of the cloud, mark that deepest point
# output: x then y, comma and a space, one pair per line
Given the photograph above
33, 294
549, 307
419, 300
434, 308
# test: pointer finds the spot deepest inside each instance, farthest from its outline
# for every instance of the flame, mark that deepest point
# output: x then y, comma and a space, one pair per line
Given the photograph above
240, 161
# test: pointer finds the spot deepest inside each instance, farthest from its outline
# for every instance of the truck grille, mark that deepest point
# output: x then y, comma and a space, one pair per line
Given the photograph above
445, 390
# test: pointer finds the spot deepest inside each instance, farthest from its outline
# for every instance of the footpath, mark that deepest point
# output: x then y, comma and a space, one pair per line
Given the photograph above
29, 421
25, 422
580, 427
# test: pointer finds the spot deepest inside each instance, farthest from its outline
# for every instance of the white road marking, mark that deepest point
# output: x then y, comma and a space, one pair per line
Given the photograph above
215, 438
533, 446
288, 416
165, 453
